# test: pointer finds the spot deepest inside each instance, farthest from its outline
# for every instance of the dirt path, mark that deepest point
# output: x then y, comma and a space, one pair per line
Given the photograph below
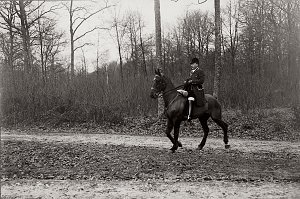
149, 189
150, 141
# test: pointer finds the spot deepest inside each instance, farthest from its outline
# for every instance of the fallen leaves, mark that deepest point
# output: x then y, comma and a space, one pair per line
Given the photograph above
69, 161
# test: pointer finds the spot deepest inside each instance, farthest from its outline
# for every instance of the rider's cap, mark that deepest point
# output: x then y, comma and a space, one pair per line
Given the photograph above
195, 60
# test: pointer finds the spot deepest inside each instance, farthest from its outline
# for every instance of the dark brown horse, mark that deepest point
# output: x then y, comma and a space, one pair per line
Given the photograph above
175, 105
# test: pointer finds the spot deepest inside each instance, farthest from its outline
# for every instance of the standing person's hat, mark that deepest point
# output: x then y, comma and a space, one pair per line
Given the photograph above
195, 60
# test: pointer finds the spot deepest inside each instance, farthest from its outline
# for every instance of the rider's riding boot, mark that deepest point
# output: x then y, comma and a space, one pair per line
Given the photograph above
190, 111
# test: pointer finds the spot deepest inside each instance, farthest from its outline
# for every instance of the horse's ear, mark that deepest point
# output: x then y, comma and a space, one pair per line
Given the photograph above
160, 73
157, 72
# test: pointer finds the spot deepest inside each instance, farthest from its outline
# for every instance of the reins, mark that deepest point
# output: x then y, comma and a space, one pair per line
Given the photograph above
174, 97
173, 89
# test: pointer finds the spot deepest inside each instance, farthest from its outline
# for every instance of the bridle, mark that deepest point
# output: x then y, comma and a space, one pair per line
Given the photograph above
161, 92
173, 89
165, 92
157, 92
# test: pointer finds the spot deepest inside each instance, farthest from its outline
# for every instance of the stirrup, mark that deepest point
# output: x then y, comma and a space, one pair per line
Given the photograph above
189, 118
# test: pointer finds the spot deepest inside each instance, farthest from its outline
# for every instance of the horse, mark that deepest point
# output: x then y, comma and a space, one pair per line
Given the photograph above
176, 111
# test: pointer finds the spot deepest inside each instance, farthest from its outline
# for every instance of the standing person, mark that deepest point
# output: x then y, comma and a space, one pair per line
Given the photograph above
194, 86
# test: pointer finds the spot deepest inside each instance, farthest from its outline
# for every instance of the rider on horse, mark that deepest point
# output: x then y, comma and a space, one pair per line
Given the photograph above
194, 86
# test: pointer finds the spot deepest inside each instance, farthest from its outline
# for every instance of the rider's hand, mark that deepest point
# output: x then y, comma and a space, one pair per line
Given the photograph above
187, 82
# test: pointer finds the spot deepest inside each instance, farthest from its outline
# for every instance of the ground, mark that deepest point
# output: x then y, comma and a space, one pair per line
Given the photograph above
81, 165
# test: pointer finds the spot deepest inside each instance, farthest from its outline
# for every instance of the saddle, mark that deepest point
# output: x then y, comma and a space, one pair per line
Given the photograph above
200, 105
200, 97
184, 93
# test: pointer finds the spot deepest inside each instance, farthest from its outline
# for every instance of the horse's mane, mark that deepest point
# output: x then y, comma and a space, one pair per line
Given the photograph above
168, 80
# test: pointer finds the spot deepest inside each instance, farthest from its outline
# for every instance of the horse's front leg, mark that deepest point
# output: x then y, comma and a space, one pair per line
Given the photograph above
170, 126
176, 143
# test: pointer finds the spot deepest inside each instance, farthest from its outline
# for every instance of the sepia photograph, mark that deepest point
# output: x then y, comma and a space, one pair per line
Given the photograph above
146, 99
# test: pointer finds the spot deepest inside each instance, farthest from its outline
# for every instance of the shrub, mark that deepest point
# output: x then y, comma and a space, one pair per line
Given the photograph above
296, 118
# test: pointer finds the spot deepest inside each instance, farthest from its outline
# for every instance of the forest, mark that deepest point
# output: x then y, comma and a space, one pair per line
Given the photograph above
260, 59
77, 122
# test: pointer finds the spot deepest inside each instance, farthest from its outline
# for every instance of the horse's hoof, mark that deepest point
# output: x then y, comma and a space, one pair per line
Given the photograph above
227, 146
174, 148
200, 148
179, 144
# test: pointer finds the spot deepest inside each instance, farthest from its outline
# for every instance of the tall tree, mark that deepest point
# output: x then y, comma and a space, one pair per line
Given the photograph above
8, 48
217, 49
25, 35
158, 44
132, 30
144, 66
232, 27
79, 15
75, 22
158, 47
119, 43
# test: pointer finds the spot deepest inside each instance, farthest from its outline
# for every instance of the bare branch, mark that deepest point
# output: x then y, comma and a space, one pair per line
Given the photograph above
89, 16
79, 37
201, 1
284, 9
51, 10
79, 9
9, 21
198, 1
81, 46
36, 8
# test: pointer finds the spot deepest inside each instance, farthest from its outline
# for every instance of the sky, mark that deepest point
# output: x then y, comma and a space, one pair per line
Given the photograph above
171, 11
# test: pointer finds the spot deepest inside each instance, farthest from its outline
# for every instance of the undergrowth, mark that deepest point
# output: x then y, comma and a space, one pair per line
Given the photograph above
261, 124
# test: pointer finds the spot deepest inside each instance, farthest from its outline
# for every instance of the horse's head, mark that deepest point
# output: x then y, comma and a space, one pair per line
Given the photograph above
159, 84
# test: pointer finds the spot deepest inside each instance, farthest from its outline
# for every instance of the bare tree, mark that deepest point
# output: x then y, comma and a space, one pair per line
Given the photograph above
8, 15
158, 43
120, 30
25, 34
144, 65
158, 47
132, 28
9, 50
217, 49
231, 25
77, 19
49, 42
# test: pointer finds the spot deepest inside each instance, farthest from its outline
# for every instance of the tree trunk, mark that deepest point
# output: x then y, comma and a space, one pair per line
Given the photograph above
25, 38
158, 44
143, 50
217, 49
120, 53
72, 41
158, 47
43, 63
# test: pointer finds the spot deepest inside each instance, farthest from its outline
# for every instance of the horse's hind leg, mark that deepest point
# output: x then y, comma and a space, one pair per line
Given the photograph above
203, 121
224, 127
